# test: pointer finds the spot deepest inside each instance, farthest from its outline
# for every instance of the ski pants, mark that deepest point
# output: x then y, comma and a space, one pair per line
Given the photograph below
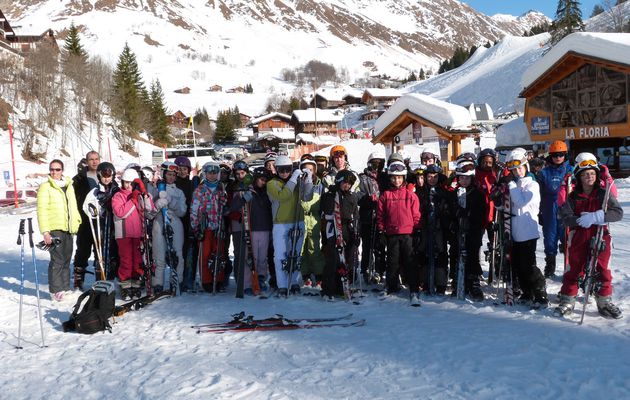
553, 228
210, 248
400, 260
85, 246
282, 252
260, 246
160, 248
578, 258
440, 261
130, 259
312, 257
531, 280
331, 279
59, 265
369, 238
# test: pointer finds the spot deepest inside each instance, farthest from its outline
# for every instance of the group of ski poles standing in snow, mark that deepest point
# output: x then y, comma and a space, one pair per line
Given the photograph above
322, 228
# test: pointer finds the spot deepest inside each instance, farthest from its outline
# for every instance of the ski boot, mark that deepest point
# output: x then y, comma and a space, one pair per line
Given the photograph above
282, 292
79, 277
606, 308
295, 289
550, 266
540, 299
474, 290
414, 299
566, 306
262, 283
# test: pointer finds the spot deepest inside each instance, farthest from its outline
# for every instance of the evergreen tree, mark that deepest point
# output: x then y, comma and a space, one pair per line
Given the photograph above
412, 77
597, 9
294, 104
422, 75
158, 123
224, 131
236, 117
74, 57
568, 20
129, 98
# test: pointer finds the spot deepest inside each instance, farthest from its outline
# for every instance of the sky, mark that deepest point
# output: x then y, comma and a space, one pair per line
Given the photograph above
518, 7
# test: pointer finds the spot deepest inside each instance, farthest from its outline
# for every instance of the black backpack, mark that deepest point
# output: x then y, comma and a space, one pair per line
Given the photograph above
95, 314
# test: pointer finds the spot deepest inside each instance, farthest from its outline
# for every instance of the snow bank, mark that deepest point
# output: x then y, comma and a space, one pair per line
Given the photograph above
513, 134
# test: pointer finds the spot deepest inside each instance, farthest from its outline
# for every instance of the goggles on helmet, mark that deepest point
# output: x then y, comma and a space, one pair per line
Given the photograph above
587, 163
397, 168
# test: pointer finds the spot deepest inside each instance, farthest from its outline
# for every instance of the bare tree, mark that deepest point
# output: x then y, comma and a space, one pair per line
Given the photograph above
616, 14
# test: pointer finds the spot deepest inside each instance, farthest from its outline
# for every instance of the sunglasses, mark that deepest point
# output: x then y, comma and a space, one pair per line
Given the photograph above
55, 169
514, 163
397, 168
284, 169
587, 163
558, 155
339, 153
107, 173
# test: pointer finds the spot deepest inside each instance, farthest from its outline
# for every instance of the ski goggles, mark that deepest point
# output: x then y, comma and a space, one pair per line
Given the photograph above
466, 168
285, 169
212, 169
558, 155
396, 168
514, 164
307, 157
320, 159
240, 166
587, 163
339, 153
171, 167
420, 170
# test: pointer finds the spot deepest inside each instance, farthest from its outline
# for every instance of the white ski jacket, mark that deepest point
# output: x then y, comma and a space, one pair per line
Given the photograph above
524, 204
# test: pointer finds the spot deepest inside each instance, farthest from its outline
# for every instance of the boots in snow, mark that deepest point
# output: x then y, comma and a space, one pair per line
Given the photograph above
607, 309
550, 266
566, 306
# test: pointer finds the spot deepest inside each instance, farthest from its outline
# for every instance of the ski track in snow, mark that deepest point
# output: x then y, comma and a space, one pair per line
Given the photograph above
444, 349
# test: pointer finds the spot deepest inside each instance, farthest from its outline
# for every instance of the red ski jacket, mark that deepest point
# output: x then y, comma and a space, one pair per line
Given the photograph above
398, 212
485, 182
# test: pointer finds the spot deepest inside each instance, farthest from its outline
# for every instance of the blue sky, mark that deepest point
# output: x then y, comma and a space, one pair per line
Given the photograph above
518, 7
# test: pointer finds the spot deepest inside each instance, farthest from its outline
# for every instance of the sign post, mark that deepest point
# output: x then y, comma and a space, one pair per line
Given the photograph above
15, 189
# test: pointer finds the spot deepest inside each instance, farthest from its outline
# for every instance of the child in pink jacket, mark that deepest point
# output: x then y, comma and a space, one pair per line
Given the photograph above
129, 206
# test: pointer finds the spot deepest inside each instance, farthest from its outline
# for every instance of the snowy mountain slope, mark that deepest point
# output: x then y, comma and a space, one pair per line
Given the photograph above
445, 349
230, 43
490, 76
609, 20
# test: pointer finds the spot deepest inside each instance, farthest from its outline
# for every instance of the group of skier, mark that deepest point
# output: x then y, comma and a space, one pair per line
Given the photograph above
296, 229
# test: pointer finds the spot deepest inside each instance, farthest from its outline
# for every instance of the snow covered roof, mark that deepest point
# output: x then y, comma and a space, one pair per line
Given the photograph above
331, 94
282, 134
513, 134
437, 111
265, 117
376, 92
309, 115
320, 140
607, 46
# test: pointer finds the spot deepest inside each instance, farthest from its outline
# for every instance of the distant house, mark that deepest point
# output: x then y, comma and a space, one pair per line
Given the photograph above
178, 120
327, 98
353, 98
316, 121
238, 89
184, 90
380, 98
244, 119
372, 115
23, 44
215, 88
270, 121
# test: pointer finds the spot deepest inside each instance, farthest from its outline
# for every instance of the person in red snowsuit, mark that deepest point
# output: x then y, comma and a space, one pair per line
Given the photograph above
583, 213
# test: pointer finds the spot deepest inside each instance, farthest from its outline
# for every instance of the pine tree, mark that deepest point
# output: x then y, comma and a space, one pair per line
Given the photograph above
236, 117
597, 9
130, 98
422, 75
74, 57
568, 20
158, 122
224, 131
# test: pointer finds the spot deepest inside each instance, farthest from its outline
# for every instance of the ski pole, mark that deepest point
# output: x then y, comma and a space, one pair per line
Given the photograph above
39, 308
20, 243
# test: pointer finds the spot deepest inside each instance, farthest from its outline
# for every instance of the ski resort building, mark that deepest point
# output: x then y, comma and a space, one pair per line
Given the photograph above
579, 92
316, 121
421, 119
23, 44
269, 121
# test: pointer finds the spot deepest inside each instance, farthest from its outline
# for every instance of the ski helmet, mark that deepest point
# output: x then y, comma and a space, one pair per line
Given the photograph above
397, 168
338, 150
261, 172
105, 170
427, 155
467, 157
487, 152
169, 166
420, 170
516, 158
558, 146
240, 165
271, 156
133, 165
320, 158
395, 157
345, 176
283, 161
211, 166
585, 161
376, 155
129, 175
433, 169
148, 172
307, 156
310, 162
183, 161
464, 167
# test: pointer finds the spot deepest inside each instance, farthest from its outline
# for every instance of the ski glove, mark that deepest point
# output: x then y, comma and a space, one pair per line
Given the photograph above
295, 176
134, 196
512, 185
591, 218
161, 203
140, 185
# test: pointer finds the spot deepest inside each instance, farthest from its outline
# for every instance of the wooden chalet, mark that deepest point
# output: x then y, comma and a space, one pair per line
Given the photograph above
579, 92
371, 115
420, 119
238, 89
316, 121
244, 119
23, 44
380, 98
184, 90
215, 88
270, 121
177, 120
327, 98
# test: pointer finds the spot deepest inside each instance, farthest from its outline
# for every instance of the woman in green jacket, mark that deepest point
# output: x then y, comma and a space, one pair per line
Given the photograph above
58, 217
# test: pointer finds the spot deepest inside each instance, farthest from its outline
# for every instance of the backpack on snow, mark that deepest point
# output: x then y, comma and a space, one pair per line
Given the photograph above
95, 314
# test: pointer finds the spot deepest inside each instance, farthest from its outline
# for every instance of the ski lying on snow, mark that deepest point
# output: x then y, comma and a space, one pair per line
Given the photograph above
137, 304
280, 326
240, 319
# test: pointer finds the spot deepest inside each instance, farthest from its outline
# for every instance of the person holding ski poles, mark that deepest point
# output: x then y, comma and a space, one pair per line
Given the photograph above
486, 178
128, 205
58, 219
190, 250
312, 265
288, 224
524, 206
237, 189
340, 213
207, 224
583, 212
550, 180
174, 201
468, 210
397, 218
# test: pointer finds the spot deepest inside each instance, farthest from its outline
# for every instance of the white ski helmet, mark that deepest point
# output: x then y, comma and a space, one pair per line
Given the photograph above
282, 161
307, 161
465, 167
397, 168
378, 154
129, 175
148, 172
585, 161
516, 158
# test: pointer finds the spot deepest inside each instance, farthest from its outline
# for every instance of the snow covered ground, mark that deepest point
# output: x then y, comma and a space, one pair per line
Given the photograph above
444, 349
